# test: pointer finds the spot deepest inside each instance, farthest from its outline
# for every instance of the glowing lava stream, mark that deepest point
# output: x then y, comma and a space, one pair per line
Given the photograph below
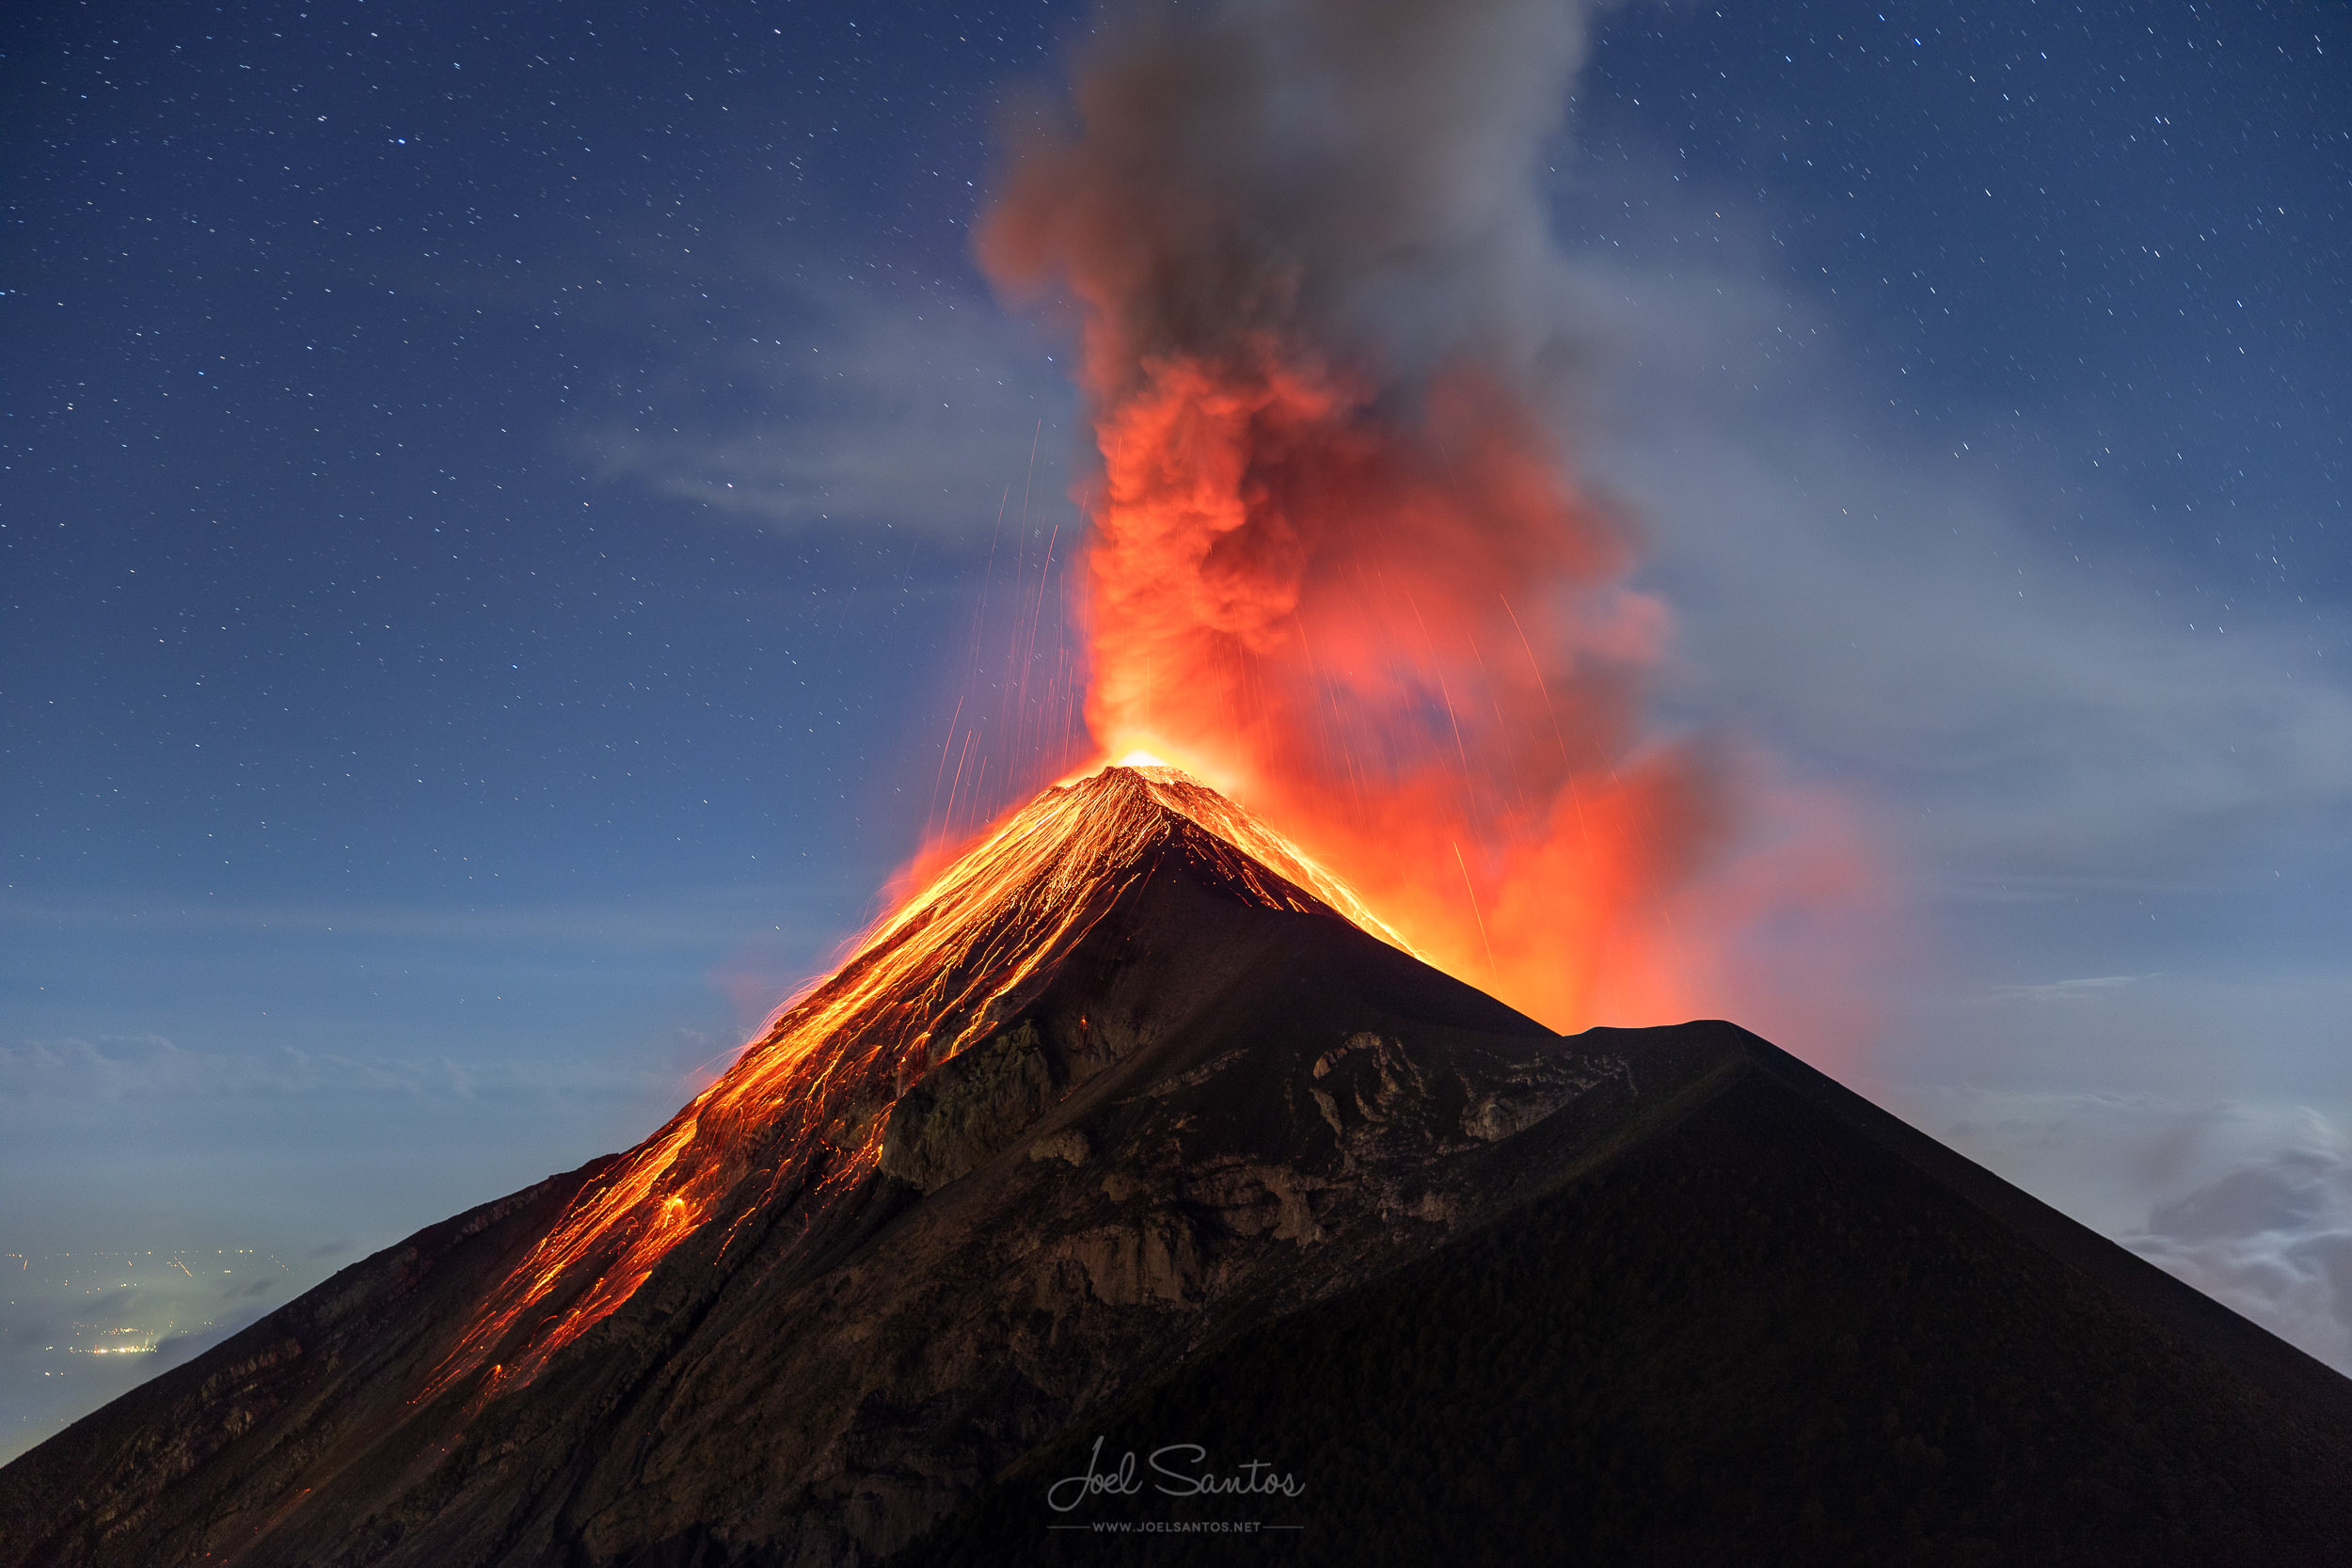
931, 977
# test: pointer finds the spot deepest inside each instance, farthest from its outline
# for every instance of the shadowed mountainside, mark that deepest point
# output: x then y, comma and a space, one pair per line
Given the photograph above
1776, 1326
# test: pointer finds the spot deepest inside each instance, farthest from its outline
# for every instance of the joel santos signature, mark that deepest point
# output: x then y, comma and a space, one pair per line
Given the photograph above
1179, 1471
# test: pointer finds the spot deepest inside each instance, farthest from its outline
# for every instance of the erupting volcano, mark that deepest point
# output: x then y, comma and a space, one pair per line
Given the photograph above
1220, 1112
1131, 1125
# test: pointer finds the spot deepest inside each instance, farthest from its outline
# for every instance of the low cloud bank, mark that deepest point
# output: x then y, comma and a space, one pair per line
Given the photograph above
80, 1328
2271, 1237
2250, 1202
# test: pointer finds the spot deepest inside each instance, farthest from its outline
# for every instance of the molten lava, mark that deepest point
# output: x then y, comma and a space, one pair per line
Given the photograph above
804, 1103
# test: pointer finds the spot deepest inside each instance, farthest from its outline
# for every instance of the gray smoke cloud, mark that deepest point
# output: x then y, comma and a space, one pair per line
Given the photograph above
1360, 173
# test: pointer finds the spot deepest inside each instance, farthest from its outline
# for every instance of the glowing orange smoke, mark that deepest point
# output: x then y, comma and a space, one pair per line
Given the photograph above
1408, 643
804, 1103
1338, 565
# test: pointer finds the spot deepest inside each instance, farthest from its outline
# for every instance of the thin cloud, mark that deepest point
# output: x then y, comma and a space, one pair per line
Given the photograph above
2248, 1201
1902, 615
838, 407
682, 922
2089, 988
41, 1076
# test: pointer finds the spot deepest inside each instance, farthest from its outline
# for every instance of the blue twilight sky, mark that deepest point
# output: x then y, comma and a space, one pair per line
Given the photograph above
497, 502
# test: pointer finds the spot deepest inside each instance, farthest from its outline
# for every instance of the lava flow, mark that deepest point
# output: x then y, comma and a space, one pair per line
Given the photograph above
804, 1104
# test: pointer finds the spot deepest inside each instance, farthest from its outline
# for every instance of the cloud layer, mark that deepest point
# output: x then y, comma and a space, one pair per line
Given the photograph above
828, 405
2272, 1237
46, 1077
2248, 1201
79, 1328
1929, 611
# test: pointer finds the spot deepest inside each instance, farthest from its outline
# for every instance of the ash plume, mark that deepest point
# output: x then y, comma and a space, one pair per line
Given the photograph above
1338, 560
1354, 175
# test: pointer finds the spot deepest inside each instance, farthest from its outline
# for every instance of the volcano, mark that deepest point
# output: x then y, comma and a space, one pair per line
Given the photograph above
1130, 1189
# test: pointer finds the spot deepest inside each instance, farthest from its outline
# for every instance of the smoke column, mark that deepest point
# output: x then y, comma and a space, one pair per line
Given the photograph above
1337, 563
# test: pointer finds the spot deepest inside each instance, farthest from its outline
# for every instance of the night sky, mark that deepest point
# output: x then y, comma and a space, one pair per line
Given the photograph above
503, 505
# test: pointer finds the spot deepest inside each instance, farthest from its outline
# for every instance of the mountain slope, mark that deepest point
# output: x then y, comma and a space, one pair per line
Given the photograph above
827, 1353
1086, 1119
1776, 1325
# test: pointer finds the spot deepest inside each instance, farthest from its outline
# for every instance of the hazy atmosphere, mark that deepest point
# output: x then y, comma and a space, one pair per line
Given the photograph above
513, 520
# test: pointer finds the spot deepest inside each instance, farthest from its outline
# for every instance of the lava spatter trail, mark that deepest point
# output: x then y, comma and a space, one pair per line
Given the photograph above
929, 978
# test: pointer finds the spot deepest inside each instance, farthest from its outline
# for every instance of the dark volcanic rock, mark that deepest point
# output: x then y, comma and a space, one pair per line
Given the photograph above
967, 1109
1232, 1173
1776, 1326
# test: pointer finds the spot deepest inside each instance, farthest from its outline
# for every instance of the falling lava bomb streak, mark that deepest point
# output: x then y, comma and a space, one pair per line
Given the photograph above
933, 976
